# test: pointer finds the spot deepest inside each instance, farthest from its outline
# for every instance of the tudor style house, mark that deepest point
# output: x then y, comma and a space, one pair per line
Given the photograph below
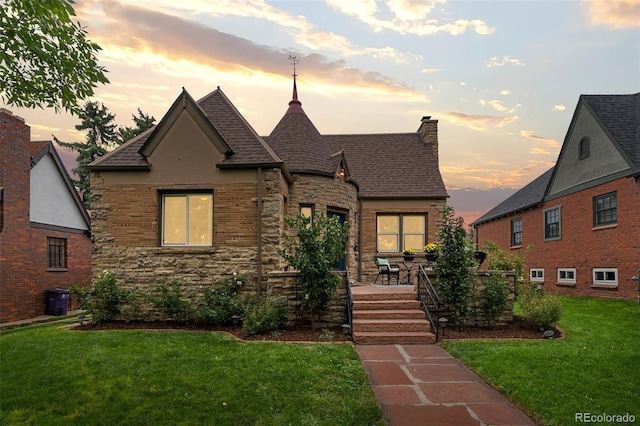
44, 228
581, 217
201, 195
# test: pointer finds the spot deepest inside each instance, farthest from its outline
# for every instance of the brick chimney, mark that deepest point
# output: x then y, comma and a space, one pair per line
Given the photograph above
429, 132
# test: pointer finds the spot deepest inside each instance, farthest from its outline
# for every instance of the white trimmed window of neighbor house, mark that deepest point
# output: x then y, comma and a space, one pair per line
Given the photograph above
395, 232
605, 209
187, 219
566, 275
536, 274
605, 276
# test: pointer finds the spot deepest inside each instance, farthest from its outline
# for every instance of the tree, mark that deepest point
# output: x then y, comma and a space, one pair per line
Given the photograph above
453, 267
101, 135
142, 121
314, 248
46, 59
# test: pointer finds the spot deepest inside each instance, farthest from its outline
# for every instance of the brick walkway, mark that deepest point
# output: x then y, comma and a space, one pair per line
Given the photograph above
423, 385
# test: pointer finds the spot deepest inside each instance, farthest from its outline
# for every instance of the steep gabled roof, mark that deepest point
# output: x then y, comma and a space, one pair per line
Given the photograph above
249, 147
620, 117
529, 196
40, 149
391, 165
217, 117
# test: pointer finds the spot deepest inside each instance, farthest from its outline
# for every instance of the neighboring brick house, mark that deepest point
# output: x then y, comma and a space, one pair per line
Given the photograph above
582, 217
44, 228
202, 195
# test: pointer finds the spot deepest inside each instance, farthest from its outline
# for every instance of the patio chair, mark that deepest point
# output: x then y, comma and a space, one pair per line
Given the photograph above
385, 268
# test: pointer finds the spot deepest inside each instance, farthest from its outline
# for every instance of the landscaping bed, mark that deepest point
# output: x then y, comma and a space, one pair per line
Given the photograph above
517, 329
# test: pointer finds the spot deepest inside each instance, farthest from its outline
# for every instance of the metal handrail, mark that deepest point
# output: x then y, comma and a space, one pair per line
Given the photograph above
349, 305
429, 299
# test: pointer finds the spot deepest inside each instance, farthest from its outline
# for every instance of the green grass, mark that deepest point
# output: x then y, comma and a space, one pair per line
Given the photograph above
596, 369
52, 376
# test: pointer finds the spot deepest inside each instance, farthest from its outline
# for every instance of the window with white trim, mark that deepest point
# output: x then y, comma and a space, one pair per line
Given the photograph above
552, 223
536, 274
397, 232
567, 275
187, 219
605, 276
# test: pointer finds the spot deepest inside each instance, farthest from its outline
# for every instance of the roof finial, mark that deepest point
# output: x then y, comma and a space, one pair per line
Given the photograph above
295, 104
294, 60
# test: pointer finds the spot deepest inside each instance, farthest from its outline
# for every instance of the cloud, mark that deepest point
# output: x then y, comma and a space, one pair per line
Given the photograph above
138, 37
495, 62
617, 14
409, 17
476, 122
559, 107
430, 70
539, 151
547, 141
505, 92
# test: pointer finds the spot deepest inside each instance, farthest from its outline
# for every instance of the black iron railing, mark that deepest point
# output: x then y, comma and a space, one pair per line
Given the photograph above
349, 306
429, 299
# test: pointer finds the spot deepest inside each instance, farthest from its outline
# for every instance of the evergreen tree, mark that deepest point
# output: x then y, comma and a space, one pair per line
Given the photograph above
142, 121
101, 135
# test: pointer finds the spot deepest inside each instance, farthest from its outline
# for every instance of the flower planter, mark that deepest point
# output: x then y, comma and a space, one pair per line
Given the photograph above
431, 257
409, 257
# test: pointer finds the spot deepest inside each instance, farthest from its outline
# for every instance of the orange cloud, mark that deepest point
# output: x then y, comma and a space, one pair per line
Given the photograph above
613, 13
477, 122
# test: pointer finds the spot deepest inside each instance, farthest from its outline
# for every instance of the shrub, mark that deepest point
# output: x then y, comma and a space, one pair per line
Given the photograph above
539, 308
494, 297
169, 299
218, 304
105, 299
315, 248
270, 314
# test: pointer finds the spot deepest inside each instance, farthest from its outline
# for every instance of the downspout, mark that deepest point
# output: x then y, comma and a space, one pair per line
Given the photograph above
259, 251
359, 251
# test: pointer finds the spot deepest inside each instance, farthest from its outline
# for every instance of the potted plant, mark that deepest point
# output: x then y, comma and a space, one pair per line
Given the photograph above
409, 253
431, 252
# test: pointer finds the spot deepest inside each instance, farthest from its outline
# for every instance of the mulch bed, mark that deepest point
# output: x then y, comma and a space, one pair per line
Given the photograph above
517, 329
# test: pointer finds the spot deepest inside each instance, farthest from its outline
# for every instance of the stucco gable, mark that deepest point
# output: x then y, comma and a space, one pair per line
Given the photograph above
610, 142
53, 197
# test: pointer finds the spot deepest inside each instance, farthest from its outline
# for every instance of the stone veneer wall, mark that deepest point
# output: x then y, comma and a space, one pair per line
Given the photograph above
286, 284
126, 233
476, 316
368, 269
325, 192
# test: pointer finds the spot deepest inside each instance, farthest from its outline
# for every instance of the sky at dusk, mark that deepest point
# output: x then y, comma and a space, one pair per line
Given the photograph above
502, 77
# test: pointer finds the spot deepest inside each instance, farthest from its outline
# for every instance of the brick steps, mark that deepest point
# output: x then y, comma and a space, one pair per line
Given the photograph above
388, 315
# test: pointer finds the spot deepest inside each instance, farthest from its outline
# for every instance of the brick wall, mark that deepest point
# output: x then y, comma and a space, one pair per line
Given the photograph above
581, 246
23, 250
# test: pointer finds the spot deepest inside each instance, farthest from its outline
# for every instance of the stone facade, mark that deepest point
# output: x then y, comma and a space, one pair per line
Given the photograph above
286, 284
126, 233
328, 194
368, 248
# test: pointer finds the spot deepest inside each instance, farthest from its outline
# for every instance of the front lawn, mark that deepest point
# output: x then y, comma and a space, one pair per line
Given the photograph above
49, 375
595, 370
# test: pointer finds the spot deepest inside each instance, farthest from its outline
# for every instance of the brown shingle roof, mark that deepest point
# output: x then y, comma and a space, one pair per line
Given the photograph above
391, 165
248, 148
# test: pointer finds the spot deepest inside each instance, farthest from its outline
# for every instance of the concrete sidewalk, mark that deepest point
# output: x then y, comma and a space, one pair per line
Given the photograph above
424, 385
42, 319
